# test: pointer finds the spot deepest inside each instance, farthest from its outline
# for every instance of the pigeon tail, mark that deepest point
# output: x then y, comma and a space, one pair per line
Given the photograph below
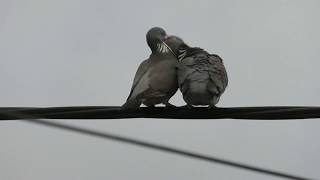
131, 104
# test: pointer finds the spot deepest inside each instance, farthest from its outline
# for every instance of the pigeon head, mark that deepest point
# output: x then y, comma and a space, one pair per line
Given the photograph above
177, 45
156, 38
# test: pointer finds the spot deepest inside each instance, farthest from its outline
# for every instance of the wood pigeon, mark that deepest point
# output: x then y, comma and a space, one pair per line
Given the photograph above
202, 77
155, 81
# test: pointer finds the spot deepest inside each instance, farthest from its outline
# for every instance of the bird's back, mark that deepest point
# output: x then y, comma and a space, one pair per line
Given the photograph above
201, 77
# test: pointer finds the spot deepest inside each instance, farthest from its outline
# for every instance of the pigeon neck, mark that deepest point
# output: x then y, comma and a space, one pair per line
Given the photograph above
159, 54
190, 51
162, 49
182, 53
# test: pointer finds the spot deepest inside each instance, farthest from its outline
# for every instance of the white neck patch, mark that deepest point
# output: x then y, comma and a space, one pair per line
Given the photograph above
182, 54
161, 47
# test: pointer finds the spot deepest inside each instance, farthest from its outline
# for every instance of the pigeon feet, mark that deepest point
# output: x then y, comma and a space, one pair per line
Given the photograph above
188, 106
169, 105
212, 107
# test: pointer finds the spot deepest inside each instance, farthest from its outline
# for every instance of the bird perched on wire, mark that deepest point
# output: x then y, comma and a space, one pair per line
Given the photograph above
155, 81
202, 77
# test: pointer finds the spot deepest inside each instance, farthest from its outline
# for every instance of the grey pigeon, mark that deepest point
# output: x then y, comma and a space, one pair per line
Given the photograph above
202, 77
155, 81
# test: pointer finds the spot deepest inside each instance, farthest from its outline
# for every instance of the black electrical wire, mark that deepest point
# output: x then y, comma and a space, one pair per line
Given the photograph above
114, 112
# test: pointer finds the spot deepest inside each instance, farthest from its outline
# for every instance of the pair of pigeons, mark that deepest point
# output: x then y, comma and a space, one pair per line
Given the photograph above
201, 77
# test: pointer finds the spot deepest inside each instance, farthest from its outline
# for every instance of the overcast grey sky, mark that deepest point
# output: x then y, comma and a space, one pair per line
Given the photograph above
78, 52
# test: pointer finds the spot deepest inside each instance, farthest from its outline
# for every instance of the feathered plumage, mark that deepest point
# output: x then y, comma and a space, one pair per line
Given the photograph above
155, 81
202, 77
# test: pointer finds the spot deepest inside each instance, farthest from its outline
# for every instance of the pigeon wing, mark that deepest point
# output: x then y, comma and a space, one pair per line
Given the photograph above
142, 69
185, 71
218, 75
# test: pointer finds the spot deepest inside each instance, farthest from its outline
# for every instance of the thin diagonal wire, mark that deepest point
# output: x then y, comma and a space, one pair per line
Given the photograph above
163, 148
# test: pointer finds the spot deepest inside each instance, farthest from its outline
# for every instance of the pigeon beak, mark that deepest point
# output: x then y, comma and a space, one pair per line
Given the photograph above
166, 37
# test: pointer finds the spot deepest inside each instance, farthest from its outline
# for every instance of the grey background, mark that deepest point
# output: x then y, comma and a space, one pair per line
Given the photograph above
62, 53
